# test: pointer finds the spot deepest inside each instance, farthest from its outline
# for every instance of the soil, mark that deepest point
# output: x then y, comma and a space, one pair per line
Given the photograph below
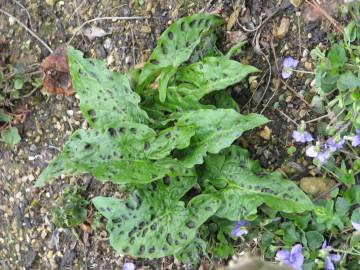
28, 238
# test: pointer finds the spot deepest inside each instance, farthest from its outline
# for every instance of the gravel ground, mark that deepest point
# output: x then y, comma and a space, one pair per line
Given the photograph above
28, 239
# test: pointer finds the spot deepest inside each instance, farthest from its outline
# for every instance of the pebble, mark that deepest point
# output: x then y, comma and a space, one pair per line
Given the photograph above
296, 3
33, 148
283, 28
50, 2
265, 133
308, 65
253, 82
12, 21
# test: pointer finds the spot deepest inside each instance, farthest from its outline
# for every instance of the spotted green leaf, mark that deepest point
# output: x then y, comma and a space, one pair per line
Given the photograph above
176, 45
221, 100
121, 153
152, 222
215, 130
211, 74
105, 96
246, 186
175, 106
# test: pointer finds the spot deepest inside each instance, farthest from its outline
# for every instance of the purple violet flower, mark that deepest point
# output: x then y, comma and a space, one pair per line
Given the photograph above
356, 225
330, 258
289, 63
128, 266
335, 146
302, 136
321, 153
240, 228
356, 139
293, 258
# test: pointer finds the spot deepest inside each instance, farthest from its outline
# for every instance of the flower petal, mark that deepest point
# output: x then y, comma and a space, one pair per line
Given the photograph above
282, 255
242, 223
324, 245
239, 228
290, 62
356, 225
297, 261
355, 140
311, 151
128, 266
308, 137
323, 156
296, 249
286, 73
328, 264
335, 257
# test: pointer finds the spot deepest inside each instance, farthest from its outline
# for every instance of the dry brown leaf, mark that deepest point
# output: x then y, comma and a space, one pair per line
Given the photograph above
19, 115
57, 77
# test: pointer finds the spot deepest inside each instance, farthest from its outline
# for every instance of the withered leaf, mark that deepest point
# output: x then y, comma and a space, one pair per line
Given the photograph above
57, 77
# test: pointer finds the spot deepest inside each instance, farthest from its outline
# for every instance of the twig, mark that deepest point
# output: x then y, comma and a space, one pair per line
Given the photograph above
299, 35
295, 92
31, 92
28, 29
77, 8
133, 46
102, 19
27, 12
317, 119
326, 15
287, 117
277, 74
269, 79
257, 87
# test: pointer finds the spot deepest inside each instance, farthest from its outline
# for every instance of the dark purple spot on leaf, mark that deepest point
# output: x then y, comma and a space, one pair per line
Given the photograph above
190, 224
112, 132
146, 145
154, 61
183, 236
182, 26
166, 180
169, 239
87, 146
171, 35
164, 49
192, 23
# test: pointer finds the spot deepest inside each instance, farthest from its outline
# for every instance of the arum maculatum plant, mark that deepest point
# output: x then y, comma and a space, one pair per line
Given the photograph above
166, 131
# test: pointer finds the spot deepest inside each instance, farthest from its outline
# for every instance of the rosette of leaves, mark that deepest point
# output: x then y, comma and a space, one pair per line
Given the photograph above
156, 138
70, 209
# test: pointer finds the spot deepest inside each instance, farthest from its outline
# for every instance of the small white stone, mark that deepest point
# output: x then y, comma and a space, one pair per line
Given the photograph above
12, 20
